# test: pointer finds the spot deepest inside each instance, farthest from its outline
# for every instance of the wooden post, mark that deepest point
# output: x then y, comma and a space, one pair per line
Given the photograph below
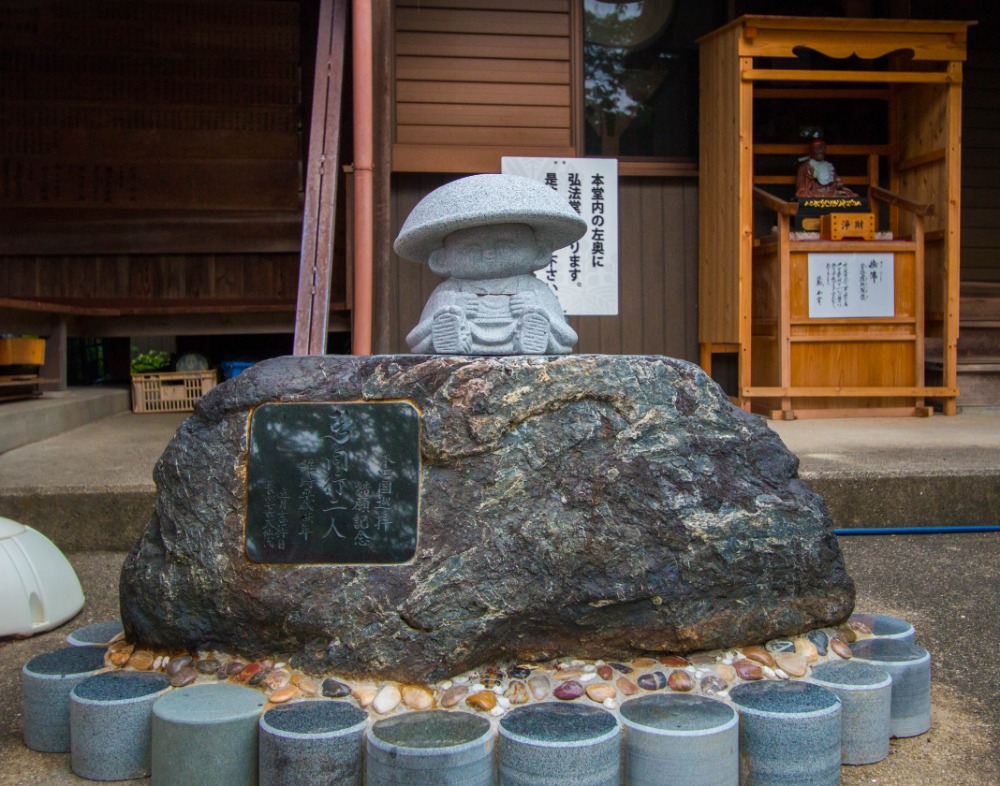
312, 313
55, 354
785, 312
953, 175
745, 285
363, 111
383, 308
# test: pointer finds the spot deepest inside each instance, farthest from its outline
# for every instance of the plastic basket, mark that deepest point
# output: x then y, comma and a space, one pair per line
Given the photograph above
170, 391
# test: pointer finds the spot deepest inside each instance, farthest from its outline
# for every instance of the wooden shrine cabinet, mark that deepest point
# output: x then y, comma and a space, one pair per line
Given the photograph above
757, 298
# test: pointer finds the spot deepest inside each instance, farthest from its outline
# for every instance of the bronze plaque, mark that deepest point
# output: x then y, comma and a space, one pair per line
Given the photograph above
335, 483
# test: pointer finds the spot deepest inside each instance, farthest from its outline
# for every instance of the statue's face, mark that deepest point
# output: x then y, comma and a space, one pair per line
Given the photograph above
489, 252
818, 150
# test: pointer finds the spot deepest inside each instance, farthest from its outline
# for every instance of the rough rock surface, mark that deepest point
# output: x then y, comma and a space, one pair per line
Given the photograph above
590, 505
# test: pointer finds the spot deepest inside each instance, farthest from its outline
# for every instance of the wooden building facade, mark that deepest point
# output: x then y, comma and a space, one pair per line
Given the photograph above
152, 170
469, 85
154, 154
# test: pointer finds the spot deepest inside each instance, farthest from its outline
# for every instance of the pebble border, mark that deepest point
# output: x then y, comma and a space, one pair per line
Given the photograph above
494, 691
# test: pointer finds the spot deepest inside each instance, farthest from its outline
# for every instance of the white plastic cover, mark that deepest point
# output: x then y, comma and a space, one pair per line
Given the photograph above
39, 589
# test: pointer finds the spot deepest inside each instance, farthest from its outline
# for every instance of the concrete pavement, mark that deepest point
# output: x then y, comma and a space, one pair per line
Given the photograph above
25, 422
90, 488
931, 447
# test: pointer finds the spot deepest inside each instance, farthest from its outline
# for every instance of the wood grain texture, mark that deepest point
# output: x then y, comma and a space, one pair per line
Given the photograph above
482, 69
152, 163
758, 300
473, 83
482, 115
473, 21
486, 43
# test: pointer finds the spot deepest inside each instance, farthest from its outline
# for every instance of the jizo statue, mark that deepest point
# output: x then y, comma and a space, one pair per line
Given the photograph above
817, 177
487, 234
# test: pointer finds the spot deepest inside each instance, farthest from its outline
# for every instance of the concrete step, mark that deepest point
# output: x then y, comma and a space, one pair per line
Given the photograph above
979, 315
902, 472
90, 488
979, 337
24, 422
978, 348
911, 501
978, 379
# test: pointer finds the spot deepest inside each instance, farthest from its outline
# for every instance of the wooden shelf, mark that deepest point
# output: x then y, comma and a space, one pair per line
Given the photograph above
17, 387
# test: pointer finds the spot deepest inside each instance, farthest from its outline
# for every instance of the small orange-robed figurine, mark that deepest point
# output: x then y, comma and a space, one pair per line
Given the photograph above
817, 177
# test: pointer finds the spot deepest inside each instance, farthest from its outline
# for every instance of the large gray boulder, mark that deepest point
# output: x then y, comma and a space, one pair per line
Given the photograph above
597, 506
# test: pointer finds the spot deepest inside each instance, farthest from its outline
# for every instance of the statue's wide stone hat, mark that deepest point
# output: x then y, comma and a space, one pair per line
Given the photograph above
483, 200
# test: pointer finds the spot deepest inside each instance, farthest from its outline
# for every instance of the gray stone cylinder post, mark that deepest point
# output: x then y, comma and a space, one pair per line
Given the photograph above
97, 634
883, 626
555, 743
312, 743
910, 669
865, 693
680, 740
430, 747
111, 724
789, 734
206, 735
46, 682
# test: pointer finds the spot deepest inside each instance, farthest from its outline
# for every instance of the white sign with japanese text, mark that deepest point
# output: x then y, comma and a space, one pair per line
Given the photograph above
851, 285
584, 276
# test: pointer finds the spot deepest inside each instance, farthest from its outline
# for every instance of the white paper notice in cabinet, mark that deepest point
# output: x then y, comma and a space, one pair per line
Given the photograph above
851, 285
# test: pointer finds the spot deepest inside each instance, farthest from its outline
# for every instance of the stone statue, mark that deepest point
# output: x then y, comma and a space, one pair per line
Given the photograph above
487, 234
817, 177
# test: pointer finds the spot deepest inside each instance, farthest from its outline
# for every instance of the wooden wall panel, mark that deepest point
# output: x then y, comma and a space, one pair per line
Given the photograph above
922, 114
163, 277
934, 289
463, 135
501, 93
150, 163
981, 150
175, 26
484, 69
547, 6
468, 19
657, 271
132, 109
488, 44
473, 83
720, 176
497, 117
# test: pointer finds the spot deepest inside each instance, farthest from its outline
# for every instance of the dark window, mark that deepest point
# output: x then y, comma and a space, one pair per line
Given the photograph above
641, 76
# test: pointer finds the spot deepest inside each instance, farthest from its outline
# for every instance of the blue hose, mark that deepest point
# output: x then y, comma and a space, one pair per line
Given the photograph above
915, 530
